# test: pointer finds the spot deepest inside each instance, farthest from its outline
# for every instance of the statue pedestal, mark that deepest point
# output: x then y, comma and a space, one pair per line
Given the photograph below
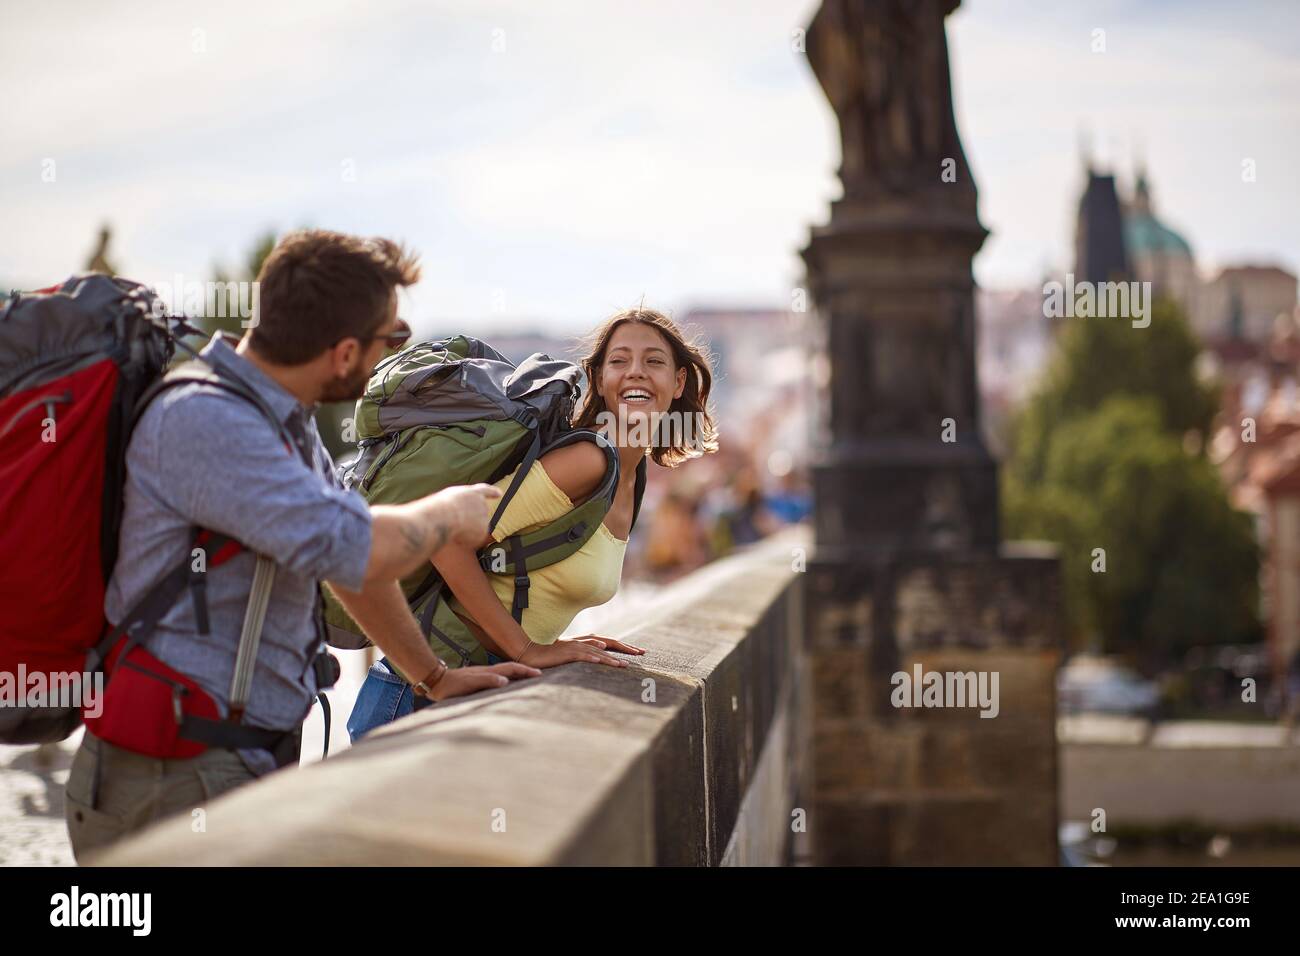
906, 466
933, 785
909, 569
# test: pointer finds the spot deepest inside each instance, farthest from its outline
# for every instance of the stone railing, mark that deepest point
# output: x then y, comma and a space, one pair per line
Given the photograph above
1233, 777
689, 756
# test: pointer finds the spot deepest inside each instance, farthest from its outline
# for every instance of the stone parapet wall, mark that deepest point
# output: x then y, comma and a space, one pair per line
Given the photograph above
576, 767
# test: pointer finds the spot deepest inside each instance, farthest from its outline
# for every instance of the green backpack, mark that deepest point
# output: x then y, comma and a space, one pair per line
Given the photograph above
455, 412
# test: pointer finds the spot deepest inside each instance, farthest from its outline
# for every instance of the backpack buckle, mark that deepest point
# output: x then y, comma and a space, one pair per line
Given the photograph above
521, 596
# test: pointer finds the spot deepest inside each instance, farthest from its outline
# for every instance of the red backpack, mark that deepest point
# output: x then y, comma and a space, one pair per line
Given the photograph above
74, 360
78, 363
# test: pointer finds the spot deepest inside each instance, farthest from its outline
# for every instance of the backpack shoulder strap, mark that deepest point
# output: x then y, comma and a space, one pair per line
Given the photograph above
553, 542
149, 609
144, 616
562, 537
544, 546
639, 491
201, 372
534, 452
573, 529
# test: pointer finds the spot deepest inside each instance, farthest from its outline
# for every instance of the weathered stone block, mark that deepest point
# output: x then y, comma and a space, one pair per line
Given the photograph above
853, 758
971, 829
947, 758
851, 831
839, 684
1025, 685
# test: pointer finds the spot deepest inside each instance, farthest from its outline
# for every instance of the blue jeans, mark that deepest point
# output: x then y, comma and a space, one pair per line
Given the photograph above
384, 697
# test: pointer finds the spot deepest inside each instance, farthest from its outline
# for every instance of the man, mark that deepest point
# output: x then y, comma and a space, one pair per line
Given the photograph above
201, 457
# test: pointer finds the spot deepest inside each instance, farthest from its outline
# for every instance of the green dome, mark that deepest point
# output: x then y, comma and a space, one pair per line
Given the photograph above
1145, 233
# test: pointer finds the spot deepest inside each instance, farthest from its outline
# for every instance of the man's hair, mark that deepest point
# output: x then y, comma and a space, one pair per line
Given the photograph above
319, 287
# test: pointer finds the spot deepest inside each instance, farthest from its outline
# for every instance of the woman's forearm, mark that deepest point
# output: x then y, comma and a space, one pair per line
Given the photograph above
485, 639
459, 567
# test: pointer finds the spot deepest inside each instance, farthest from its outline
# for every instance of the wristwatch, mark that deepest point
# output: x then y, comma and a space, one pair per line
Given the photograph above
424, 688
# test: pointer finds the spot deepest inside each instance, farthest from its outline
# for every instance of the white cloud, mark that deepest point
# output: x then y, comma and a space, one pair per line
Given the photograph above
676, 149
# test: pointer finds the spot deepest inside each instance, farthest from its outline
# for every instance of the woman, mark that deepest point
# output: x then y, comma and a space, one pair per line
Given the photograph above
649, 397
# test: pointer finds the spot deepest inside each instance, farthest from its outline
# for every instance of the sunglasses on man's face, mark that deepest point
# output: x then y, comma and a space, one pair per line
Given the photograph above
400, 335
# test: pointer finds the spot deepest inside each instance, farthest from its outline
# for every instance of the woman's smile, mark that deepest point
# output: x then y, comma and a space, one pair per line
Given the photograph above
636, 396
638, 376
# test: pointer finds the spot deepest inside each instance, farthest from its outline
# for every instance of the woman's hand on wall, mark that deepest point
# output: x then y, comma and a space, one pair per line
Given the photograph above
566, 652
608, 644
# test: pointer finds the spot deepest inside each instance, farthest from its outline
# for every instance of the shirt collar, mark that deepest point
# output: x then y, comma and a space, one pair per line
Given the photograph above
220, 351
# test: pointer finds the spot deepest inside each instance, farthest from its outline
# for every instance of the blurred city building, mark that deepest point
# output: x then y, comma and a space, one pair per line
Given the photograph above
1117, 236
1100, 252
1156, 252
1014, 343
1257, 448
763, 374
1244, 303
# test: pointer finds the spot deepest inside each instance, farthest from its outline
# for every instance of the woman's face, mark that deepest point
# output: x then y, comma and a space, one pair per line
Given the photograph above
638, 377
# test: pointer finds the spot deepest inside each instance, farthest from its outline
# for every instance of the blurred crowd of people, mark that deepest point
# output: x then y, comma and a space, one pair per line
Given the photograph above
720, 503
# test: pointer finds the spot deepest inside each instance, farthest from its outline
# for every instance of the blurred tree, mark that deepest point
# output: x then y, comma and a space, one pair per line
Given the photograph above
1099, 358
1103, 460
98, 261
248, 271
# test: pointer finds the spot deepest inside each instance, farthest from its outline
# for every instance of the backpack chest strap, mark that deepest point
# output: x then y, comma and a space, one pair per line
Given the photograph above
548, 544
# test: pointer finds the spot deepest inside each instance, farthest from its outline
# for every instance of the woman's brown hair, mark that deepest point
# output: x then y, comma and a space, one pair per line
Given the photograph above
670, 448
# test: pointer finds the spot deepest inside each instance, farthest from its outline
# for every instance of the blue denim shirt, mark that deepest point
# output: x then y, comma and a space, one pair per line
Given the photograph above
202, 457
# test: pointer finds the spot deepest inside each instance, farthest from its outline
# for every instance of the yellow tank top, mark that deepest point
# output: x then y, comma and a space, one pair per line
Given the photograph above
584, 579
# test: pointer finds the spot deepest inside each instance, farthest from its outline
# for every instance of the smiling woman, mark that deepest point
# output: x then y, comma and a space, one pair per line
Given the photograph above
642, 374
630, 357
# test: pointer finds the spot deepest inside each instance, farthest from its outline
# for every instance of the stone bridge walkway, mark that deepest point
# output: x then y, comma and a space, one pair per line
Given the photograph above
32, 831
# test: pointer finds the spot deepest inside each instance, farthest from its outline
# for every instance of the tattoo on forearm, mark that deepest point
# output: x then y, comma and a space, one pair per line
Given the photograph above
414, 537
441, 534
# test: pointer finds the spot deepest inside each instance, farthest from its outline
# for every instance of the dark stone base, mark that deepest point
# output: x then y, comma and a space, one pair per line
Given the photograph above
946, 501
922, 785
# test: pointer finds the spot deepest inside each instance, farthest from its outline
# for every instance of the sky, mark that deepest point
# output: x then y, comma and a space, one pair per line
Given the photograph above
552, 162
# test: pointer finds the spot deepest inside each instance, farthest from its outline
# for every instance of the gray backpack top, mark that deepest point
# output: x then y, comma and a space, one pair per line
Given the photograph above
454, 412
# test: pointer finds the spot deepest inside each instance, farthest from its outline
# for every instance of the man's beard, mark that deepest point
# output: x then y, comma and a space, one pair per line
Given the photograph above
348, 388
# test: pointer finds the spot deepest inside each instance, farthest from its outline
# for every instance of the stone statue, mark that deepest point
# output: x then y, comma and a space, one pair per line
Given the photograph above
884, 67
